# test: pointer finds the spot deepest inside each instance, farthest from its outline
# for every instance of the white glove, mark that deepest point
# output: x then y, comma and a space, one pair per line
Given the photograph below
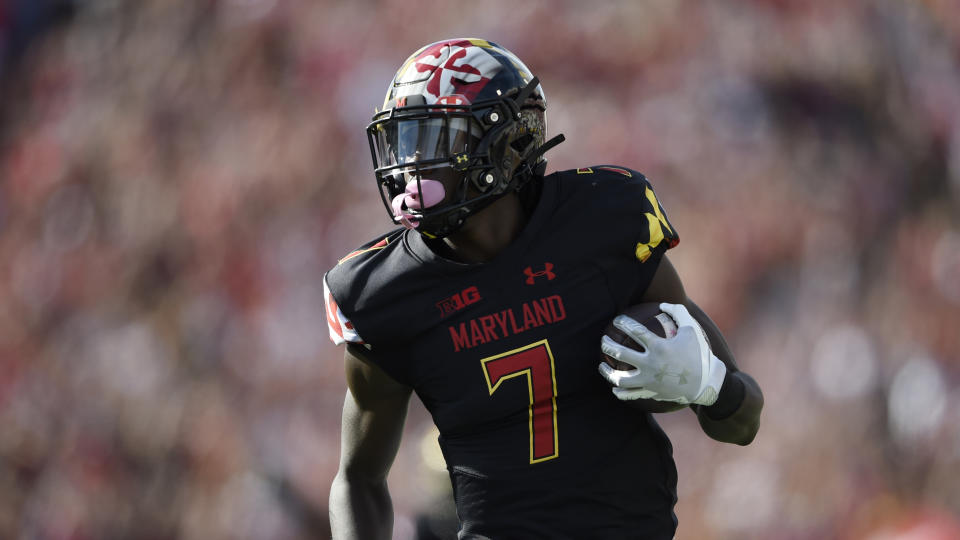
681, 369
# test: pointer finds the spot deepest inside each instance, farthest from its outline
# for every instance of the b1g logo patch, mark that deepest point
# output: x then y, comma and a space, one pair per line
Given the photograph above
462, 299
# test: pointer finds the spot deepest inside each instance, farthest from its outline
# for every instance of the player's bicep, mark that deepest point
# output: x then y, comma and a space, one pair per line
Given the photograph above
665, 286
374, 412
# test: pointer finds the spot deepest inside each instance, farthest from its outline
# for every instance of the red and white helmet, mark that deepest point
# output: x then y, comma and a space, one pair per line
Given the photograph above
461, 125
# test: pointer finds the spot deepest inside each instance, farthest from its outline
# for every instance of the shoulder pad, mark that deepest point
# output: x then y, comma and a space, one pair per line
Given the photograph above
622, 195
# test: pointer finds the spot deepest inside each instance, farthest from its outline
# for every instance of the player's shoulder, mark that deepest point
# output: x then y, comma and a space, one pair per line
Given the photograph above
603, 173
604, 186
620, 203
378, 257
371, 249
361, 288
604, 180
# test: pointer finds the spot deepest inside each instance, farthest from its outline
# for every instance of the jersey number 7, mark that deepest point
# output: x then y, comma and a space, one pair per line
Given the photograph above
534, 364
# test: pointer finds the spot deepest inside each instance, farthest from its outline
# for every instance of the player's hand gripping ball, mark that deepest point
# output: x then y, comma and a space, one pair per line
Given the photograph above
658, 322
677, 368
649, 315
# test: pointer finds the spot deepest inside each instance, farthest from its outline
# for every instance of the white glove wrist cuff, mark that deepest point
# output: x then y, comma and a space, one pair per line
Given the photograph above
718, 371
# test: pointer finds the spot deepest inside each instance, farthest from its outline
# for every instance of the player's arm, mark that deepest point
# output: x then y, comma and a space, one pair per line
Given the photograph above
374, 412
735, 415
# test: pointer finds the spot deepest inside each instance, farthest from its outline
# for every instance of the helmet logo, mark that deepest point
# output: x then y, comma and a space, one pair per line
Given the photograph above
460, 162
455, 99
451, 68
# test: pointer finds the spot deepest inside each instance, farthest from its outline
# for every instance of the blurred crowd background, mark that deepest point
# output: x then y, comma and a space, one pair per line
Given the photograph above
176, 176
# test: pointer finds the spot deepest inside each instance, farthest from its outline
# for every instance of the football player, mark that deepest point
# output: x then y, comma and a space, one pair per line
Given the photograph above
489, 302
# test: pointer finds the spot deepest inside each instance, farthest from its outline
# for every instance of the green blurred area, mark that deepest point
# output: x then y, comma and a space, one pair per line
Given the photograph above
176, 176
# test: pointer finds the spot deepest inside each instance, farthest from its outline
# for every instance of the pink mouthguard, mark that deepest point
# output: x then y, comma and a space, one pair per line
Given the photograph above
432, 192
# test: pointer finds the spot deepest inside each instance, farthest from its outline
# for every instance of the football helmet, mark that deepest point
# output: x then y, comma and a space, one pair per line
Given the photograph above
461, 125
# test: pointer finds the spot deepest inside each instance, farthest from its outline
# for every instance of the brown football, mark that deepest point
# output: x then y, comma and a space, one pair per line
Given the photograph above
658, 322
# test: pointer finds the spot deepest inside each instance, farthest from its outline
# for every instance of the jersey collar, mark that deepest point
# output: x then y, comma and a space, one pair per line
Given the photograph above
419, 249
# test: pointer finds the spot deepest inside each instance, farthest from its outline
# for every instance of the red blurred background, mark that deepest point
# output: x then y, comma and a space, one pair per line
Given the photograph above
176, 176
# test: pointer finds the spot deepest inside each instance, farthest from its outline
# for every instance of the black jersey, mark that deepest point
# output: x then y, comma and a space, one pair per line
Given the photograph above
504, 355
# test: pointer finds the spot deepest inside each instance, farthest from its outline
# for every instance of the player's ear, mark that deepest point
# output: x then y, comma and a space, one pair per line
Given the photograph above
665, 285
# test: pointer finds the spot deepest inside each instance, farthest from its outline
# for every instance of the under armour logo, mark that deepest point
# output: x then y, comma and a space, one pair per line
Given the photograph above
665, 371
532, 276
461, 162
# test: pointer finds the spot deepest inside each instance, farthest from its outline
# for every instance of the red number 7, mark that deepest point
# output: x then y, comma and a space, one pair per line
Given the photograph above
535, 361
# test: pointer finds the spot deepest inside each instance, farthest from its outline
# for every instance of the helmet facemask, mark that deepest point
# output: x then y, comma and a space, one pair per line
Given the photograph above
478, 151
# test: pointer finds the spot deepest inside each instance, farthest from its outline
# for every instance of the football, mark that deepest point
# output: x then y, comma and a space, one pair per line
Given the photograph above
658, 322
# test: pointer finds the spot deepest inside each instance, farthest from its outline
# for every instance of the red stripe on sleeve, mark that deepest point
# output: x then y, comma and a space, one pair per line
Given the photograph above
332, 318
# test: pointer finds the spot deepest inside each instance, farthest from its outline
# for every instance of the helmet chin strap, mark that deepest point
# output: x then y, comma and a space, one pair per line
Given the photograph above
535, 155
528, 166
526, 91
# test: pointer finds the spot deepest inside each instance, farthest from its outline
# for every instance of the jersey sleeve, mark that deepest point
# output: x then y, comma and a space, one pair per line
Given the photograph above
366, 299
656, 233
340, 327
629, 205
